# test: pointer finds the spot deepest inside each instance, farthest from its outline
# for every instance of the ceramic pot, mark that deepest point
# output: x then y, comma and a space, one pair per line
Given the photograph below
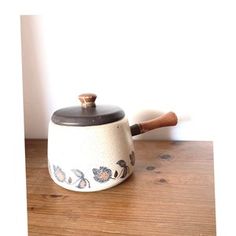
90, 147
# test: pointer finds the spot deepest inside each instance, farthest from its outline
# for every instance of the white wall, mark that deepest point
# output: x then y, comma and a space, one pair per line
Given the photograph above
146, 59
13, 204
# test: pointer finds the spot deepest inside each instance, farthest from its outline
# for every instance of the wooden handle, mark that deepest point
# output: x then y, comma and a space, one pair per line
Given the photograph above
167, 119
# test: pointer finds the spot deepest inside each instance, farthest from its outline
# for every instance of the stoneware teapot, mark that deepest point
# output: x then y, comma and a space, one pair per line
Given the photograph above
90, 147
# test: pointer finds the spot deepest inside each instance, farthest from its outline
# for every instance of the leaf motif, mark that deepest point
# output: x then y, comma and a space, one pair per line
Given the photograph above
69, 180
121, 163
78, 173
95, 171
124, 173
115, 174
132, 158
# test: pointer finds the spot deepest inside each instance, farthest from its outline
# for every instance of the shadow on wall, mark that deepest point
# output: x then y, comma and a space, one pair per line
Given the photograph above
33, 71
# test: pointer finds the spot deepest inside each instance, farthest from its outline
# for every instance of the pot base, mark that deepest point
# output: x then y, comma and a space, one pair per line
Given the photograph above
75, 180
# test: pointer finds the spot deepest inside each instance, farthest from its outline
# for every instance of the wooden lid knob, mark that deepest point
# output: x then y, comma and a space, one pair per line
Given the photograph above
87, 99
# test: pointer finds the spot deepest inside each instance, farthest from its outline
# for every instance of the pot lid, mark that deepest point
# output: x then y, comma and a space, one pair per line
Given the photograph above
88, 113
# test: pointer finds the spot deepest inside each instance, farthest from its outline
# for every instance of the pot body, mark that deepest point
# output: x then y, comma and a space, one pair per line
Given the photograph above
90, 158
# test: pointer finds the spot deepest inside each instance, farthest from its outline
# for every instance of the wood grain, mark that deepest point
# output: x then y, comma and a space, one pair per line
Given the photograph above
170, 193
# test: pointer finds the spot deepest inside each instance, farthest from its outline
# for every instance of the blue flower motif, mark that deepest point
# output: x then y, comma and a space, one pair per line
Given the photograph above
103, 174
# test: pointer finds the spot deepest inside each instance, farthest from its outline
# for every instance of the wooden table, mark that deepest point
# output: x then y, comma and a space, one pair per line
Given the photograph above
170, 193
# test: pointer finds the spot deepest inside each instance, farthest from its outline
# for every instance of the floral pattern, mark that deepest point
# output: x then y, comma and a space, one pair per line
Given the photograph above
59, 174
103, 174
80, 181
125, 168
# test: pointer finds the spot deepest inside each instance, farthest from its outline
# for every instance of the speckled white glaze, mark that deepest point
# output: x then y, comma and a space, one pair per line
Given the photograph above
90, 158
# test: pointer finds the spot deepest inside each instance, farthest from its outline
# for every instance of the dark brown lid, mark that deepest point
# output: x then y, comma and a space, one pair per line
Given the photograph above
88, 113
